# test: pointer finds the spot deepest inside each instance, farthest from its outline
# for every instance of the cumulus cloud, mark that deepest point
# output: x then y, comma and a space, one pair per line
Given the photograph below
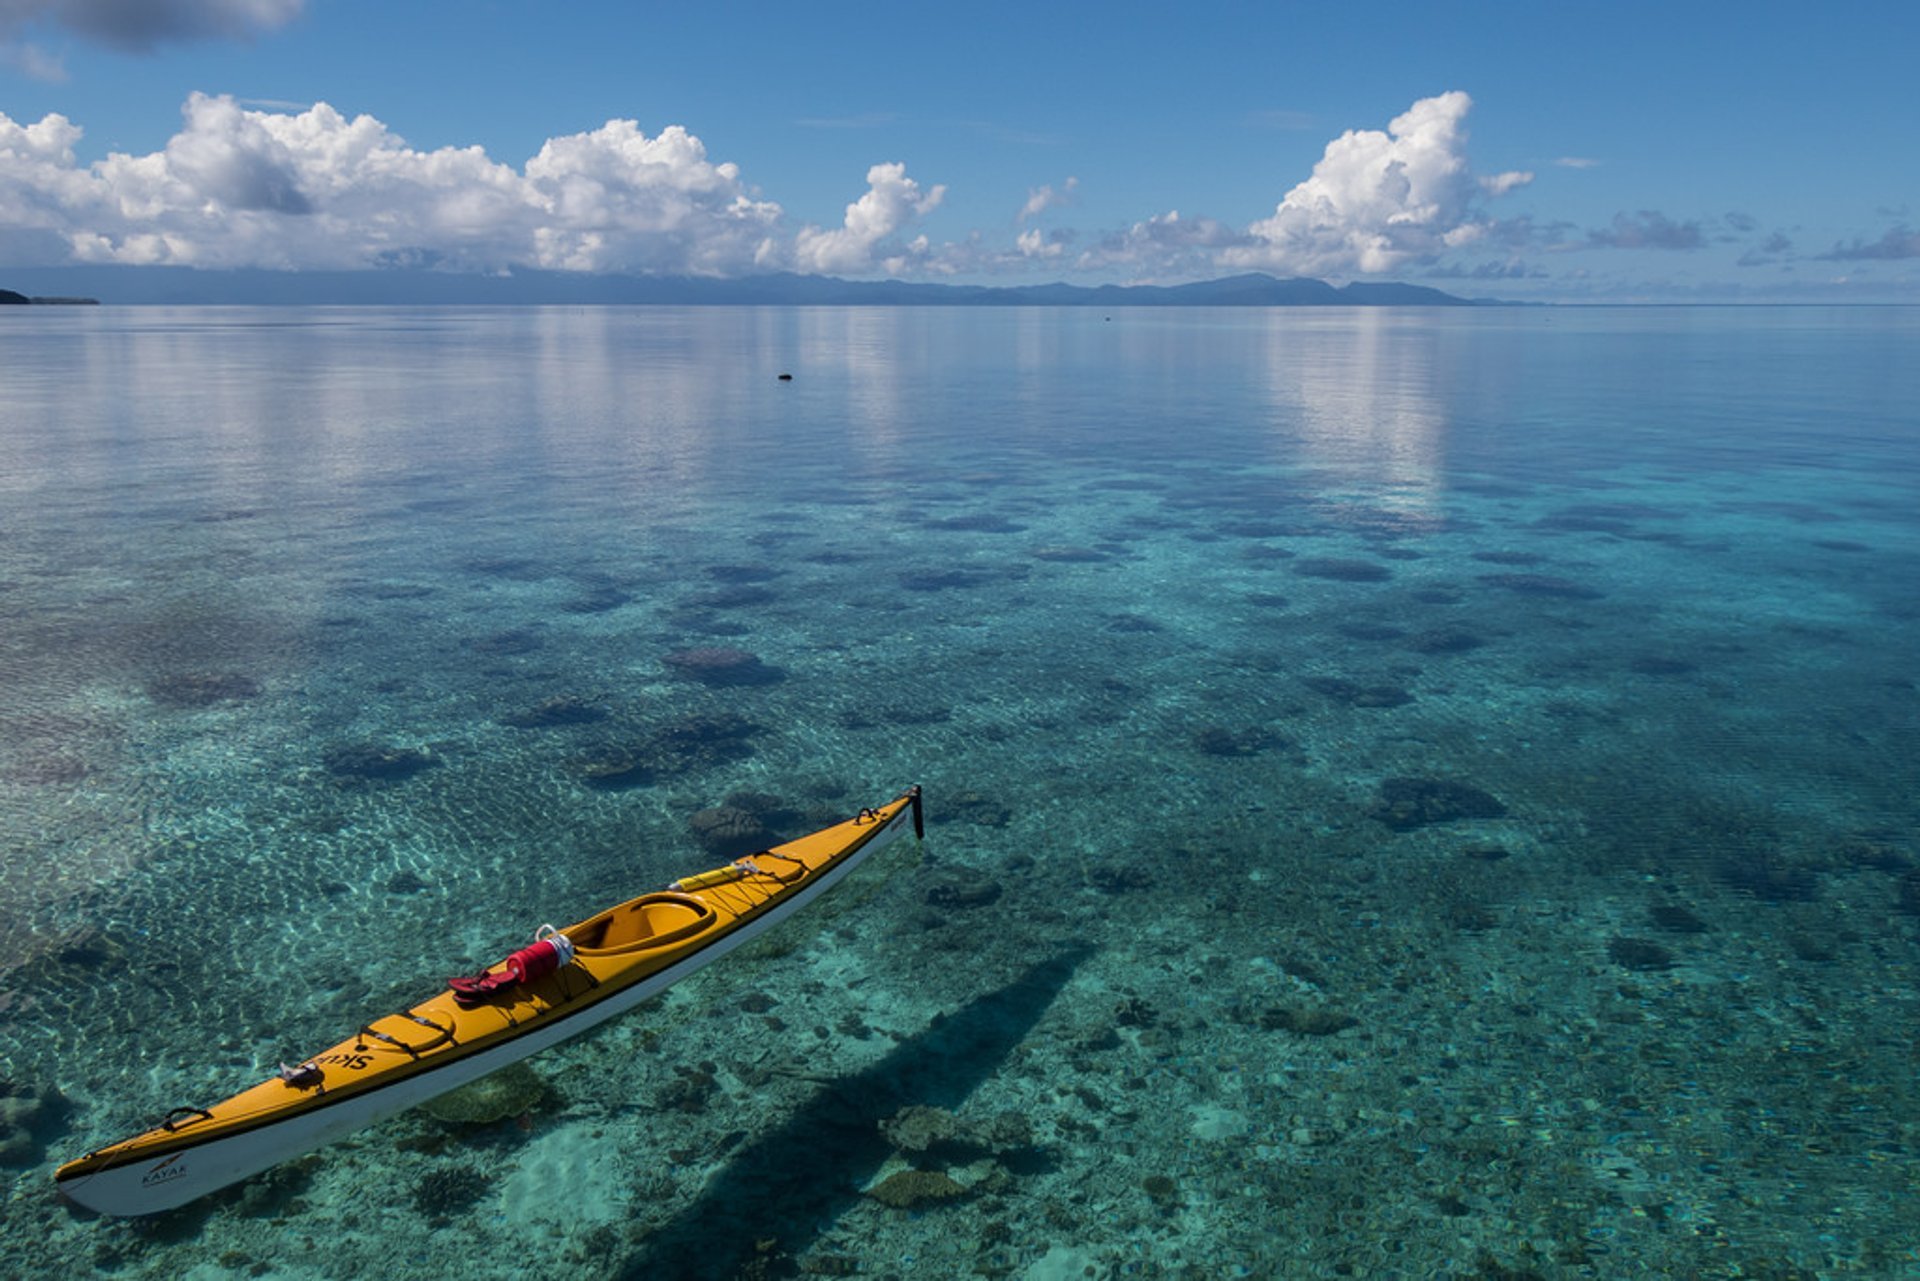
868, 237
1899, 242
315, 189
1041, 199
1376, 200
1648, 229
137, 26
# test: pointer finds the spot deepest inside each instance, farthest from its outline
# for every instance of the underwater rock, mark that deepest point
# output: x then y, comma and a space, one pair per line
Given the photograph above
1369, 631
1445, 640
1342, 571
691, 1090
449, 1191
561, 709
1653, 665
201, 689
405, 882
907, 1189
917, 1128
1120, 878
376, 763
603, 599
518, 640
1067, 555
1873, 854
970, 807
1768, 878
27, 1117
733, 598
1217, 740
719, 665
977, 523
1160, 1188
1355, 694
1543, 585
1304, 1022
511, 1091
1675, 919
742, 573
1638, 954
728, 832
963, 894
944, 580
1407, 803
873, 716
1908, 900
615, 770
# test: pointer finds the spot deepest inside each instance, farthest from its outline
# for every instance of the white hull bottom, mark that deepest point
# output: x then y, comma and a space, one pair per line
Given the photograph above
145, 1187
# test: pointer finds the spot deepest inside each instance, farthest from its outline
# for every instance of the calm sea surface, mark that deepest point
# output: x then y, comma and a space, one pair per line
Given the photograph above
1414, 793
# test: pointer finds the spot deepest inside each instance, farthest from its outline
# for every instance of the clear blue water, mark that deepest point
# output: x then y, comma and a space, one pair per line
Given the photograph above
1417, 793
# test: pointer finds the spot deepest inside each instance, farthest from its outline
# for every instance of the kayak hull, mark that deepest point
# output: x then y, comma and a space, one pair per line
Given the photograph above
170, 1165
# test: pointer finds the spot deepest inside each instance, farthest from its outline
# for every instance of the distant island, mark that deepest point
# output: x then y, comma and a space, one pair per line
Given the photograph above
8, 298
403, 287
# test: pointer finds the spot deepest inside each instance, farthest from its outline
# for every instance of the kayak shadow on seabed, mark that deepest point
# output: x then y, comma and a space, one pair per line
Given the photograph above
791, 1182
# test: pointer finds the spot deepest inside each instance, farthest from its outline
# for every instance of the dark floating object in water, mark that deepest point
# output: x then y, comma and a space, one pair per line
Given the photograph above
1638, 954
1342, 571
1407, 803
1543, 585
786, 378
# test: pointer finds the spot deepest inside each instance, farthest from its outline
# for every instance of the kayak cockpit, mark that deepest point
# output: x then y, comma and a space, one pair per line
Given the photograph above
652, 920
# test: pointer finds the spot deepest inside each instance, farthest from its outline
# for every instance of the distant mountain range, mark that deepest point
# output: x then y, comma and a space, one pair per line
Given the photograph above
418, 287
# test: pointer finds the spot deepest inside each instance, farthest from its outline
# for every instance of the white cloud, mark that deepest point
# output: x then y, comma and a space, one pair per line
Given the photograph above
1041, 199
867, 238
1376, 200
137, 26
314, 189
1577, 162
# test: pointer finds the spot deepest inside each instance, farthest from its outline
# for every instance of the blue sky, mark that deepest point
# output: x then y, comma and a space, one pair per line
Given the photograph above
1614, 153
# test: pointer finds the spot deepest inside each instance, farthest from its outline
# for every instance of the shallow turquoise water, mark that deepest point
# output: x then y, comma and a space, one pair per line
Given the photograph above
1415, 793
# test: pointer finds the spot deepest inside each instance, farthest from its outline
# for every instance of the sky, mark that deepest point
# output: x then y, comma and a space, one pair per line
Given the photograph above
1626, 152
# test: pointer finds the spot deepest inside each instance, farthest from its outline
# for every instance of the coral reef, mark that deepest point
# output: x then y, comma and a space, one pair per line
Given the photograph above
1341, 571
511, 1091
1407, 803
449, 1191
722, 667
561, 709
374, 762
201, 689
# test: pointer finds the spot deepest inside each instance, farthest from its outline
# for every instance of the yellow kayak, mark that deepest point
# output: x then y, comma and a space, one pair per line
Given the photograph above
568, 981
